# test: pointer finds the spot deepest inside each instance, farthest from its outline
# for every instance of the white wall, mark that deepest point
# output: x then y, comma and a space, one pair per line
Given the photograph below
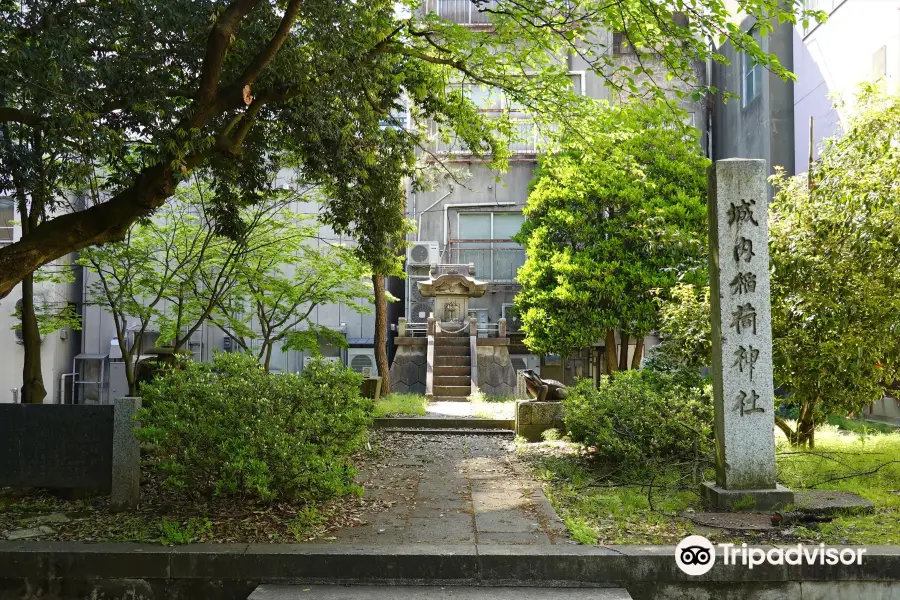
56, 349
834, 57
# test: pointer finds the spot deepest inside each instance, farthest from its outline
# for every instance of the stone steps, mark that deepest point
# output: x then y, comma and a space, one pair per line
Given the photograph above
444, 370
442, 351
455, 361
452, 390
451, 398
452, 380
451, 341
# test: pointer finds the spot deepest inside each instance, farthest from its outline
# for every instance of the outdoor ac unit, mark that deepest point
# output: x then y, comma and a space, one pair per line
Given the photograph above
418, 307
362, 360
424, 253
513, 320
332, 359
521, 362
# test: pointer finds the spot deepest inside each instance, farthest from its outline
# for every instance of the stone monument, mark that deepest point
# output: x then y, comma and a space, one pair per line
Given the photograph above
742, 339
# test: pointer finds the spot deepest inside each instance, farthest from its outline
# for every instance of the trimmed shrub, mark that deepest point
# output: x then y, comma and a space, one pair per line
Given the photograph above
637, 417
229, 429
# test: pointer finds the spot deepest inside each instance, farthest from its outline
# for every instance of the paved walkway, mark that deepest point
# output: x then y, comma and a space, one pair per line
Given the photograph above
451, 489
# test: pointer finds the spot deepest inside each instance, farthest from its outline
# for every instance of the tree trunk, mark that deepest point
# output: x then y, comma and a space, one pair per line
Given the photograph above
381, 357
806, 426
268, 361
33, 391
623, 351
638, 352
611, 364
105, 222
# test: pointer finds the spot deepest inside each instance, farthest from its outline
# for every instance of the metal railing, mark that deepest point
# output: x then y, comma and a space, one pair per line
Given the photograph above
417, 329
494, 260
463, 12
528, 138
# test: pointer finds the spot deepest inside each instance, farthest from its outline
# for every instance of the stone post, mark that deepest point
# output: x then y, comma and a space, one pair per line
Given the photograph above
501, 328
521, 389
429, 359
741, 338
401, 327
473, 352
126, 456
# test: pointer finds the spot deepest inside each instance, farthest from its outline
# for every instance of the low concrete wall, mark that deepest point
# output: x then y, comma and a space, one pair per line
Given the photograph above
72, 447
534, 418
63, 570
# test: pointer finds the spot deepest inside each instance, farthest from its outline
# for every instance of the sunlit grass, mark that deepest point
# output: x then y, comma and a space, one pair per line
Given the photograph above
603, 504
400, 404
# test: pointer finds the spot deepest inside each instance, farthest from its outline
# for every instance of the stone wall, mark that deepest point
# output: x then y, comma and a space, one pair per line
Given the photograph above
408, 370
534, 418
496, 374
64, 446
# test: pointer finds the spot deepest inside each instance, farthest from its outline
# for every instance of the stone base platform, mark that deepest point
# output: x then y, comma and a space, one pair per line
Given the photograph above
534, 418
723, 499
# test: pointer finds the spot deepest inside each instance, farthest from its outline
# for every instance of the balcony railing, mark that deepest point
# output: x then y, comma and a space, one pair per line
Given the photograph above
528, 138
464, 12
494, 260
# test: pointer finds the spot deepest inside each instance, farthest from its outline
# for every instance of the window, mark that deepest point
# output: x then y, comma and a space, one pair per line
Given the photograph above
621, 46
485, 239
7, 215
464, 12
752, 75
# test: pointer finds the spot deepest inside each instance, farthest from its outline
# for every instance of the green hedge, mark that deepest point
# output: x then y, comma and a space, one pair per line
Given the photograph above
636, 417
229, 429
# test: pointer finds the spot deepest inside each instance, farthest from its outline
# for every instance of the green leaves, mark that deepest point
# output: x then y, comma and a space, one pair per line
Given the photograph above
228, 429
835, 252
616, 216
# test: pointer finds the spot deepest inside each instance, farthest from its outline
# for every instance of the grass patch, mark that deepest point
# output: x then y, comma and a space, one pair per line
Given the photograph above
400, 404
601, 504
860, 426
492, 407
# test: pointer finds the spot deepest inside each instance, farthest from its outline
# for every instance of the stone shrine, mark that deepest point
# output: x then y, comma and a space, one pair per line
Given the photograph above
742, 338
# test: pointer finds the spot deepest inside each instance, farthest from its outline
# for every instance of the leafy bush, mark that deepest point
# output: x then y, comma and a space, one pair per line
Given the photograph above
229, 429
636, 417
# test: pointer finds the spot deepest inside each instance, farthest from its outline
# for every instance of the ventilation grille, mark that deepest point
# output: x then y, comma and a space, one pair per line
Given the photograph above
518, 363
362, 362
419, 253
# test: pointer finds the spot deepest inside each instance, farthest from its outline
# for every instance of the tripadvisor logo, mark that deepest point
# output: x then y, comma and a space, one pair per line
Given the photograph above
695, 555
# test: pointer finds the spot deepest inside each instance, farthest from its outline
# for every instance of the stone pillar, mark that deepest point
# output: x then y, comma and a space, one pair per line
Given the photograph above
126, 456
501, 328
401, 327
429, 359
521, 389
741, 338
473, 352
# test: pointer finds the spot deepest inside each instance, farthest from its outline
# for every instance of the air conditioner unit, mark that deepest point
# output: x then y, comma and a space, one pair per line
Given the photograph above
513, 321
362, 360
418, 307
331, 359
423, 253
526, 361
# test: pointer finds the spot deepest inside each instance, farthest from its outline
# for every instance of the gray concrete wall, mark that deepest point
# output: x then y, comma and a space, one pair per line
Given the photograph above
763, 127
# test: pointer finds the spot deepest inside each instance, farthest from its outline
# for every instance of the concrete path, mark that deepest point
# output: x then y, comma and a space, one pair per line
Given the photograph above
451, 489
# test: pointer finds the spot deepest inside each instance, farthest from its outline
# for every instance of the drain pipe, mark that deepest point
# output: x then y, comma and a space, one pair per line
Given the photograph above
468, 205
430, 206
